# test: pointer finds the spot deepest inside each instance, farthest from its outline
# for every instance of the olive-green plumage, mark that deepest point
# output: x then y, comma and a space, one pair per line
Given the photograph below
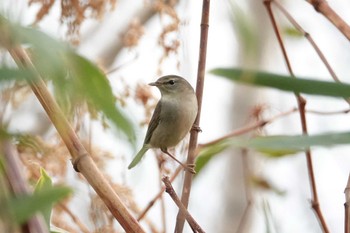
173, 116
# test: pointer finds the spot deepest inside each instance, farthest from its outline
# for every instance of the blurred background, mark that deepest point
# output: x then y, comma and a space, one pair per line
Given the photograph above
135, 42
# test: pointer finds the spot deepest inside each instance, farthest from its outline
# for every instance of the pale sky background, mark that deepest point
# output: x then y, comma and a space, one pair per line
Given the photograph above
291, 212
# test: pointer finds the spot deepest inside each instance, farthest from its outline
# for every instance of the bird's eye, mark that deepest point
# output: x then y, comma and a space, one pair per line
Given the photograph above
171, 82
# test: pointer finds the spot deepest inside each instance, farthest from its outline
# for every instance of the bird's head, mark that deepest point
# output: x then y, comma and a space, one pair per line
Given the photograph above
172, 84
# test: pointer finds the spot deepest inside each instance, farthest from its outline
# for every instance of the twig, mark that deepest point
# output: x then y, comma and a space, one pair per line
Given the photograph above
248, 128
322, 7
151, 203
15, 177
74, 218
199, 92
301, 104
311, 41
80, 156
347, 207
169, 189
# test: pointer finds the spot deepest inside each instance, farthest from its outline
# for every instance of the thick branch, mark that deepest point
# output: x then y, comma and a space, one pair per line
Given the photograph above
322, 7
80, 156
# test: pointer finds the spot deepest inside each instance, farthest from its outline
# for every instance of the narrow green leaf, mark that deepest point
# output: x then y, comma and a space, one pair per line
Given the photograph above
282, 145
284, 82
44, 183
23, 207
273, 146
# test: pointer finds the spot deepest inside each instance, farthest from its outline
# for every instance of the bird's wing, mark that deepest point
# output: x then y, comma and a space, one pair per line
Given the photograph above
153, 123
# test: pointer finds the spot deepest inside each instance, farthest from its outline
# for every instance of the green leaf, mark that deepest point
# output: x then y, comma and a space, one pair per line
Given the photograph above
285, 82
44, 183
282, 145
272, 146
25, 206
97, 90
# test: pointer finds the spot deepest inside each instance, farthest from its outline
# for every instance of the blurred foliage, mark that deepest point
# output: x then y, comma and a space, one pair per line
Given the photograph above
76, 80
277, 145
74, 13
25, 206
284, 82
292, 32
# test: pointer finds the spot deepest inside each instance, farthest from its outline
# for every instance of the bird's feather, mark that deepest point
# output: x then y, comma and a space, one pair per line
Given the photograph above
153, 123
138, 157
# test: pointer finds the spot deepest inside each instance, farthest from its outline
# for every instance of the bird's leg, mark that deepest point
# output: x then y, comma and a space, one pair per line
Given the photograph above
188, 167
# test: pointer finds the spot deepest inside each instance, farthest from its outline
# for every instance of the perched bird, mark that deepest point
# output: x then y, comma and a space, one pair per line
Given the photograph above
172, 118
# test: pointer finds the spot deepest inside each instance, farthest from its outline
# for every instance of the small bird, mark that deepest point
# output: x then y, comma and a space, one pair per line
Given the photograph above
172, 118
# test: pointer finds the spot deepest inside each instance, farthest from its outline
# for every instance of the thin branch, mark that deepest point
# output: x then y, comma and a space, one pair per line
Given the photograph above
80, 157
249, 128
151, 203
248, 192
263, 122
347, 207
170, 190
74, 218
311, 41
15, 177
185, 196
301, 104
322, 7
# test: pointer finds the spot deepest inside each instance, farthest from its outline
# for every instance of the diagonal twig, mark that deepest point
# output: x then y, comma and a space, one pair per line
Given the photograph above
311, 41
322, 7
170, 190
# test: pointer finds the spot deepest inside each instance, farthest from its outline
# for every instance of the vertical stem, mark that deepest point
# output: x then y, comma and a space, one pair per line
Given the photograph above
199, 92
301, 105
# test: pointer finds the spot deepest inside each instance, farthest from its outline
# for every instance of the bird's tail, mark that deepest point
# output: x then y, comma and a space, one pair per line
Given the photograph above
138, 157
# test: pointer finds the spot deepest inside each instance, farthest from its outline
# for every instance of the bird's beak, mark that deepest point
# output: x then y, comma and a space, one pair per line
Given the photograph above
156, 84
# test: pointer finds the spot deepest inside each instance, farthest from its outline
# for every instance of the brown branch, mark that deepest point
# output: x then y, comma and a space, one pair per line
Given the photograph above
15, 177
248, 128
170, 190
199, 92
80, 156
311, 41
322, 7
301, 104
151, 203
74, 218
347, 207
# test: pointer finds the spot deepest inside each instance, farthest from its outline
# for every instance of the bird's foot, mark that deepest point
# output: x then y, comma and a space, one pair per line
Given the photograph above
196, 128
190, 168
